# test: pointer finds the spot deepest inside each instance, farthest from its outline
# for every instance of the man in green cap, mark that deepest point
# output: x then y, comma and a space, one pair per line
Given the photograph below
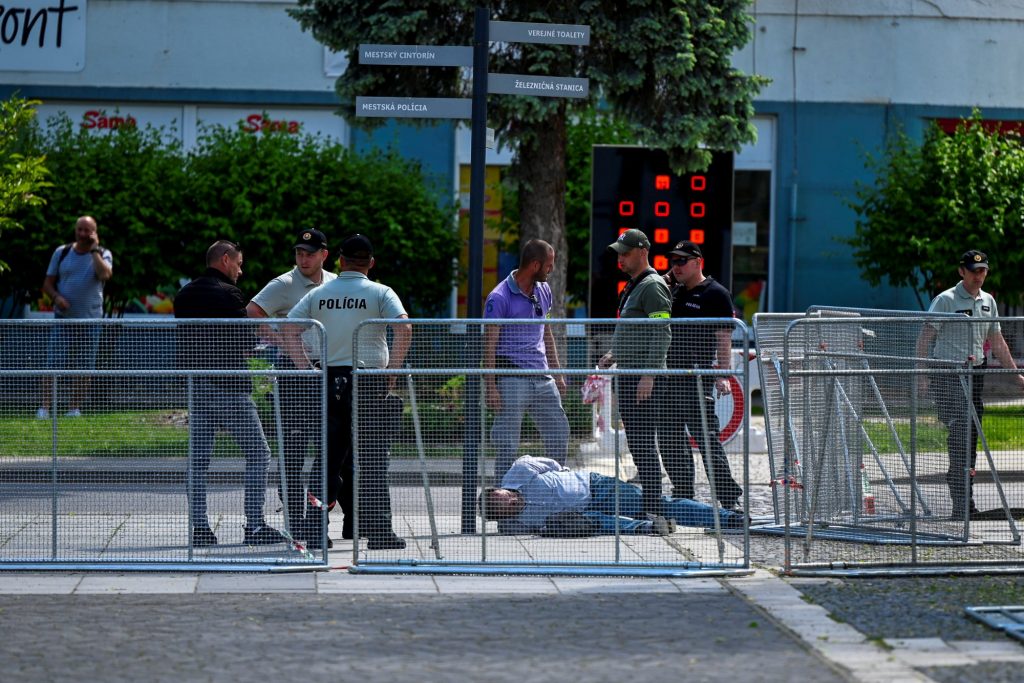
640, 347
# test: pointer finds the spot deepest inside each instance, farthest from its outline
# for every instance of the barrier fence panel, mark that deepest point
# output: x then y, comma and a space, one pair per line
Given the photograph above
613, 482
157, 444
769, 333
888, 414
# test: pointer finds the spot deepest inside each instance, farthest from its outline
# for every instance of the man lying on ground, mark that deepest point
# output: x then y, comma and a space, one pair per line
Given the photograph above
537, 491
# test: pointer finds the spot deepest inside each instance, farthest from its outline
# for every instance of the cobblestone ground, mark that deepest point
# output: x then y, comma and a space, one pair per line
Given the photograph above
603, 637
925, 607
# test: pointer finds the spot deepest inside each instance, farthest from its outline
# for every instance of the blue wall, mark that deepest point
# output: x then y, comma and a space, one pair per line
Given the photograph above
811, 265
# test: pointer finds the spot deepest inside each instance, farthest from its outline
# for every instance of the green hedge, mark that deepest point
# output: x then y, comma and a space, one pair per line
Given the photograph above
159, 208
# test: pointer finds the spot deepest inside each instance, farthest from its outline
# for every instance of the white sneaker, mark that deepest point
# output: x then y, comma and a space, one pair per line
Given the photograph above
73, 413
43, 414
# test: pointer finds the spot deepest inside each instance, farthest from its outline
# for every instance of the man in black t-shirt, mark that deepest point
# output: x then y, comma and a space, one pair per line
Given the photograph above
703, 346
221, 402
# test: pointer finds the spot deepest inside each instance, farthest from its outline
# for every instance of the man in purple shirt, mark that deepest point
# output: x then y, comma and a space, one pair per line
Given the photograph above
524, 295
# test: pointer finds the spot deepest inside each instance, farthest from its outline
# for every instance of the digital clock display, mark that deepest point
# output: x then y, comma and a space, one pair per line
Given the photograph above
633, 187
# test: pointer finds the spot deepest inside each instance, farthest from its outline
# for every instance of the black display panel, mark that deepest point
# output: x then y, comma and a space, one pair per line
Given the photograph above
632, 187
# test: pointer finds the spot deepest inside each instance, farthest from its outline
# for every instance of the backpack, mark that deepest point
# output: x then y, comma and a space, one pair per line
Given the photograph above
60, 260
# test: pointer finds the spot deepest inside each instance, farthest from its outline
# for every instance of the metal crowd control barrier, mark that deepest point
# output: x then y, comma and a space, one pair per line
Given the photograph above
473, 406
167, 444
876, 462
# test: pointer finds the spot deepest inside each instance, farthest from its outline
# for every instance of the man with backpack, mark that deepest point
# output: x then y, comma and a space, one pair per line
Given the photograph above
74, 281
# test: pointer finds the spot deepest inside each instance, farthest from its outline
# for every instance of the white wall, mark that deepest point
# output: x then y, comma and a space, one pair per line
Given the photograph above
936, 52
238, 45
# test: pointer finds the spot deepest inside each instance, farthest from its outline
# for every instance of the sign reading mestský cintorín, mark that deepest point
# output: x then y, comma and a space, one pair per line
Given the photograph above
538, 86
526, 32
415, 107
416, 55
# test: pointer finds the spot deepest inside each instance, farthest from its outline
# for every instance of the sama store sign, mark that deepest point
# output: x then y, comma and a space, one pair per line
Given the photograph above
42, 35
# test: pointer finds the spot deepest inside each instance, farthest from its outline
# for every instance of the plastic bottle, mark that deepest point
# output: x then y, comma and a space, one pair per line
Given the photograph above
868, 506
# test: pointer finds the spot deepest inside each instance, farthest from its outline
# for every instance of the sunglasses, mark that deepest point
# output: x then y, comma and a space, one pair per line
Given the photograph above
682, 261
536, 305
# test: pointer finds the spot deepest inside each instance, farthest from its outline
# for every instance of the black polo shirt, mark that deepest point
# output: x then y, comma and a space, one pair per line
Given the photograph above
214, 347
695, 345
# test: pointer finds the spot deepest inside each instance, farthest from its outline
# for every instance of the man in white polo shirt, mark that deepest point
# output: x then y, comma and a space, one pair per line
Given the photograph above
341, 305
297, 394
965, 345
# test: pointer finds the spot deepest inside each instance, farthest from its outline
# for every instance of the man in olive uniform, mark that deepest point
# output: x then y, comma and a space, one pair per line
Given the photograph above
640, 347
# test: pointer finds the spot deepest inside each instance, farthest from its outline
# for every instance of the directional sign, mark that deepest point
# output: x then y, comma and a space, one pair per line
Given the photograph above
415, 107
539, 86
416, 55
526, 32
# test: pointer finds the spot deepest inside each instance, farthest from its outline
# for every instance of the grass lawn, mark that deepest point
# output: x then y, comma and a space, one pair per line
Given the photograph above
133, 434
124, 434
1003, 425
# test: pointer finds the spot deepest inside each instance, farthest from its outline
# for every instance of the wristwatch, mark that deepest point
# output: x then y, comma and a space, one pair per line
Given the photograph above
96, 250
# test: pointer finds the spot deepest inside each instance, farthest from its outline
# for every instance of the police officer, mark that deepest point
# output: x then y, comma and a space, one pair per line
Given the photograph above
341, 305
275, 300
964, 346
695, 295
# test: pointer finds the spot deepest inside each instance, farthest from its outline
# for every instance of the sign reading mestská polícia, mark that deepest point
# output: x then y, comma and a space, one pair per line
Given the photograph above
415, 107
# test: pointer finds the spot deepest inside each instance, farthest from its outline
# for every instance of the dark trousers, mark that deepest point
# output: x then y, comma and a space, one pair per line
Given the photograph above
374, 493
640, 418
962, 436
299, 400
679, 418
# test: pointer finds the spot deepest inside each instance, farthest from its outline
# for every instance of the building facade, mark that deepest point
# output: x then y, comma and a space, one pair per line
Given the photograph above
844, 75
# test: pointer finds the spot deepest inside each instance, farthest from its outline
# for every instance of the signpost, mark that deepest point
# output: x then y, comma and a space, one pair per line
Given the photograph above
414, 107
484, 31
538, 86
416, 55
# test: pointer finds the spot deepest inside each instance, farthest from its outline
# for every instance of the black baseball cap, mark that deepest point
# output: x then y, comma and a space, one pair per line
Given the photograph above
631, 239
687, 248
357, 246
973, 260
310, 240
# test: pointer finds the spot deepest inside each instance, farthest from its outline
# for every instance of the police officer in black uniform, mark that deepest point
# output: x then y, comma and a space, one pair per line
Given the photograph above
694, 295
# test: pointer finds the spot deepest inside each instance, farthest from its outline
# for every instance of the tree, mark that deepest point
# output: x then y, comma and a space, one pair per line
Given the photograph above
22, 176
932, 201
159, 208
663, 67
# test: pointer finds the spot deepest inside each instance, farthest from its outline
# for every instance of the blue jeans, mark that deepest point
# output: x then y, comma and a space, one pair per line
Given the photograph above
214, 408
538, 396
683, 510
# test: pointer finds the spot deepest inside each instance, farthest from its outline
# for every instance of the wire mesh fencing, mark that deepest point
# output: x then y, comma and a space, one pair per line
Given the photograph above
522, 446
905, 443
167, 443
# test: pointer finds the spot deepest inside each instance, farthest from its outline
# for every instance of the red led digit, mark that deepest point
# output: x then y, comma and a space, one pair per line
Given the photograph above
697, 209
622, 230
622, 286
698, 183
661, 209
661, 235
661, 182
626, 208
697, 236
660, 263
